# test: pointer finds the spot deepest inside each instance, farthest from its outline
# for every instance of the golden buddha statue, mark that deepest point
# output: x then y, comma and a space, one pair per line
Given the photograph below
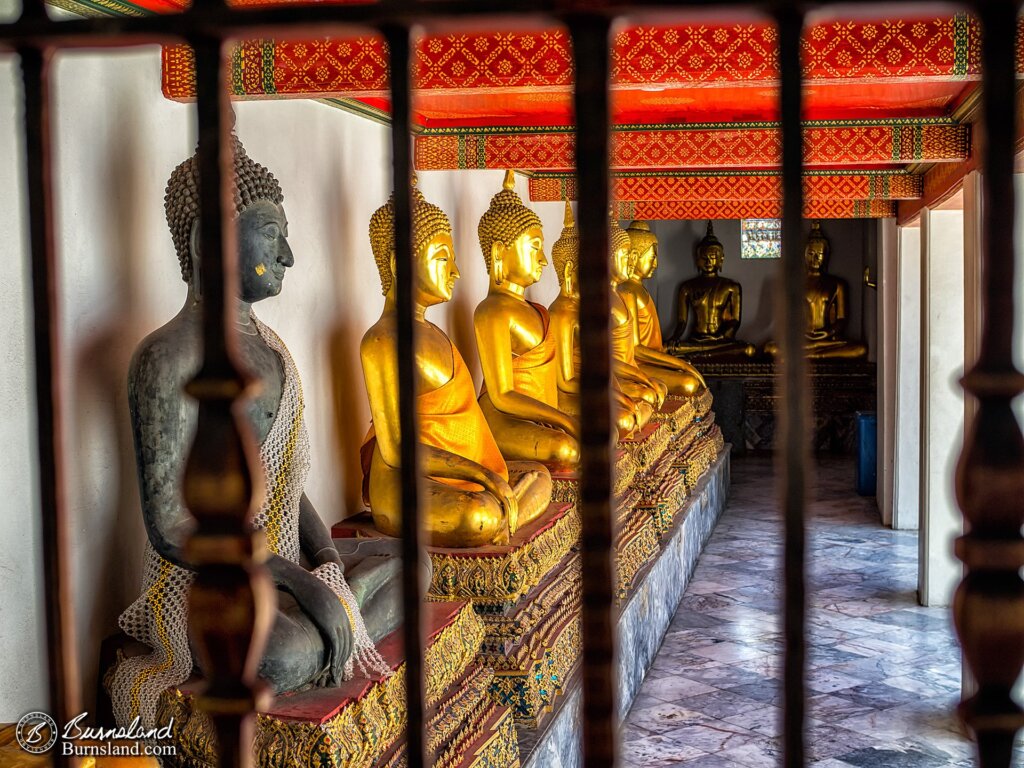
629, 415
645, 244
826, 307
515, 341
471, 497
680, 377
716, 304
633, 379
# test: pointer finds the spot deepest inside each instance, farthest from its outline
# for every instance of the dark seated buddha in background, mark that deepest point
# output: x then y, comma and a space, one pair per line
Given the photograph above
826, 307
714, 303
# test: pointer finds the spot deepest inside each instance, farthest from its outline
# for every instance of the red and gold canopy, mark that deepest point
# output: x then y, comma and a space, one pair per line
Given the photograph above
694, 105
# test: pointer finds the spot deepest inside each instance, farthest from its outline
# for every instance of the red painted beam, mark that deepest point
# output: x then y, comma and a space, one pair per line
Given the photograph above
753, 209
911, 49
683, 187
825, 144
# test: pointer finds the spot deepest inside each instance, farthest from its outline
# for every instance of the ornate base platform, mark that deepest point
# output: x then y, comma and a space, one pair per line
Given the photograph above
527, 594
357, 723
468, 731
527, 597
534, 646
495, 576
643, 621
746, 401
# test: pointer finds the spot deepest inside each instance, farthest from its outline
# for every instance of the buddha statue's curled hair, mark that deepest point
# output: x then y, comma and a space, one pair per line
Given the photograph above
566, 249
641, 236
427, 221
505, 220
252, 182
617, 237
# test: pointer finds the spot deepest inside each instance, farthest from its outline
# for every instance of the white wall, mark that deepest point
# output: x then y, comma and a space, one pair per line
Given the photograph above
118, 140
22, 632
942, 400
888, 251
906, 507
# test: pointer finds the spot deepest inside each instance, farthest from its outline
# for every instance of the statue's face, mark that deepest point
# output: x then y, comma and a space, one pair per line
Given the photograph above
263, 251
647, 263
814, 255
436, 271
524, 262
710, 258
622, 263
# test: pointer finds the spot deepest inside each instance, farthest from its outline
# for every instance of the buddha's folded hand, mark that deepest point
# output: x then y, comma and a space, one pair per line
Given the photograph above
328, 615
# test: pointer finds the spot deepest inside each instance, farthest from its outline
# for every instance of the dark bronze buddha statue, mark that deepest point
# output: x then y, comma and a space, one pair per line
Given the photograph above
328, 618
826, 307
715, 304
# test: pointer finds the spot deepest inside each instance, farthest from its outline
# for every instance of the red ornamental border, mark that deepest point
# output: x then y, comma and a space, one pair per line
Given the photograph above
699, 148
752, 209
696, 54
681, 188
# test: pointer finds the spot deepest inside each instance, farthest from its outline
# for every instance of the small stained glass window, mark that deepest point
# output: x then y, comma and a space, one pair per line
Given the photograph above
760, 238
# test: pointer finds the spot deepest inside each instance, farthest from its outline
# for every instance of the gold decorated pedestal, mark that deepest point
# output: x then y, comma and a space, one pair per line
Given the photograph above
526, 594
650, 483
534, 646
699, 444
468, 729
494, 576
649, 445
355, 724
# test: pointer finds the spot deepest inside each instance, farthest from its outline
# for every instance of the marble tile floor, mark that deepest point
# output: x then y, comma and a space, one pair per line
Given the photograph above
884, 673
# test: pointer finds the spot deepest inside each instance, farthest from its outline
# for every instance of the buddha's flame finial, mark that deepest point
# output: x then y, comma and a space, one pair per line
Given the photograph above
510, 180
709, 239
568, 221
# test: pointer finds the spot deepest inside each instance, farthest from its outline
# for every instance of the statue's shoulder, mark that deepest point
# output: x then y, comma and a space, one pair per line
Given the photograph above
729, 282
380, 337
497, 305
633, 287
562, 307
173, 350
643, 296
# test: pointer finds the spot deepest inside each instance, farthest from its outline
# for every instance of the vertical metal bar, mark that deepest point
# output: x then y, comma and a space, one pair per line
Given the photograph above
989, 605
590, 47
62, 653
33, 10
999, 96
231, 599
398, 39
793, 433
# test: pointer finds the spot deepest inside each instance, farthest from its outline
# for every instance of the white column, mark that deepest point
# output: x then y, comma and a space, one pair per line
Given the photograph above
942, 405
906, 461
888, 305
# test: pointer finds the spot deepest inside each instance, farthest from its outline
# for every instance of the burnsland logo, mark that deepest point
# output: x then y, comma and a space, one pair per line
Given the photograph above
37, 734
